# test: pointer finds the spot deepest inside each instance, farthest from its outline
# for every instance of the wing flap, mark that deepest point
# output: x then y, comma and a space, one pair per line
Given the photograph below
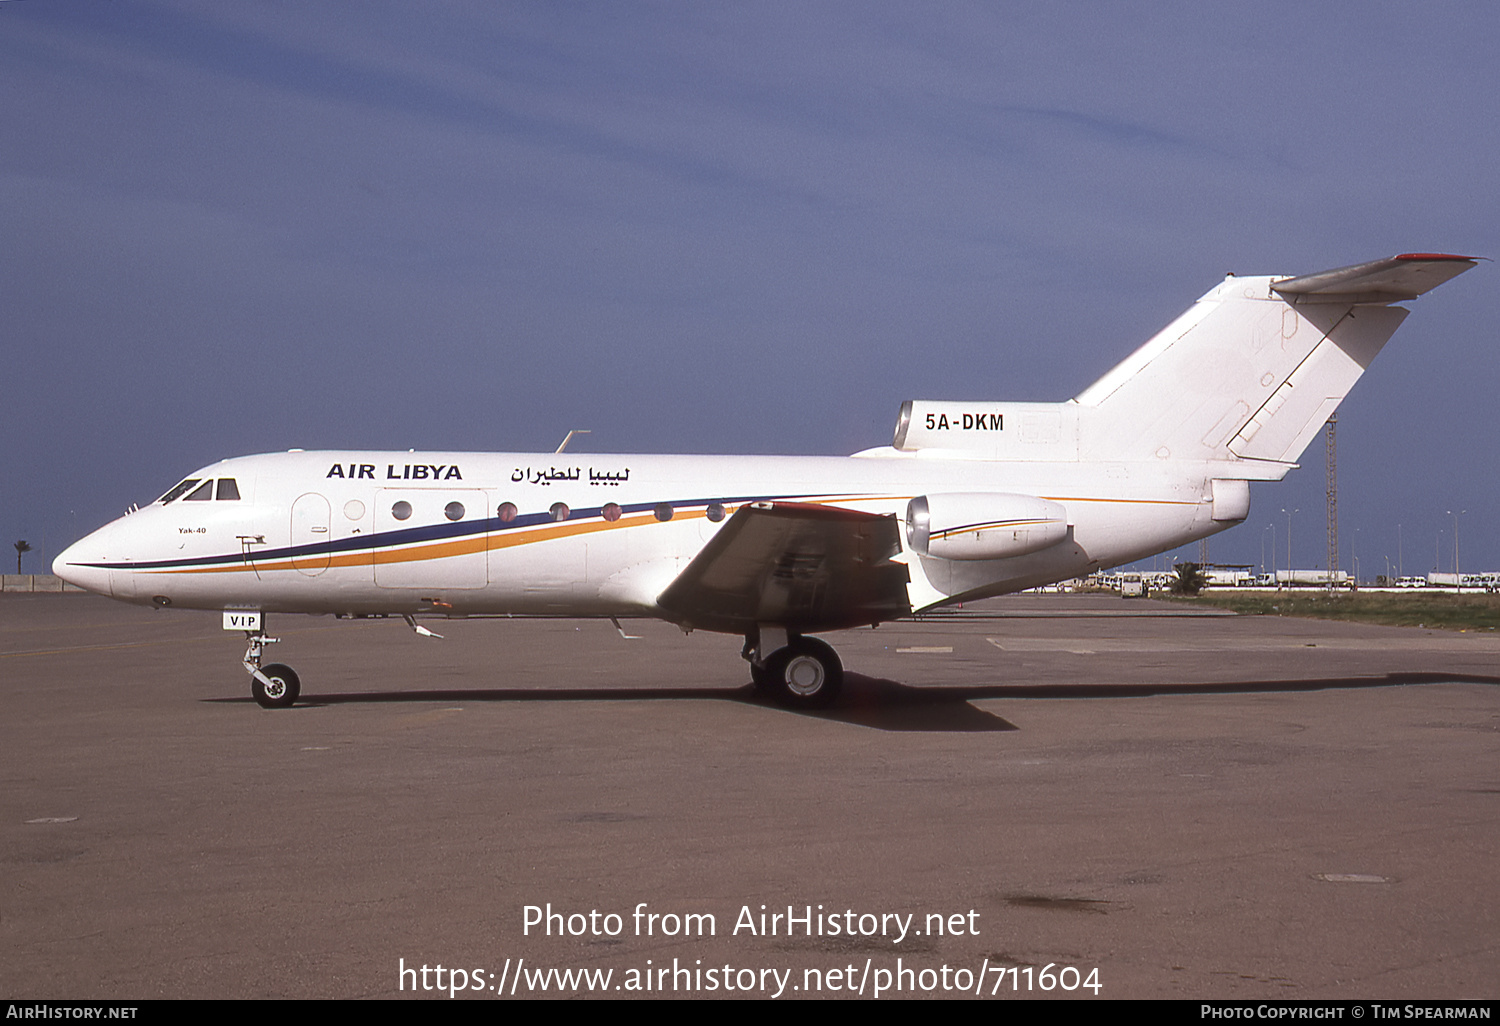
804, 566
1392, 280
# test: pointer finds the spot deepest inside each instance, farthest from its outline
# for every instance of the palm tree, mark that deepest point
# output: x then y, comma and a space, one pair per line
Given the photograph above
1190, 579
21, 548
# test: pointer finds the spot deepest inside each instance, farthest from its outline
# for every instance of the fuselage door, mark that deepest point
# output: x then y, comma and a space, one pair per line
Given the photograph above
310, 517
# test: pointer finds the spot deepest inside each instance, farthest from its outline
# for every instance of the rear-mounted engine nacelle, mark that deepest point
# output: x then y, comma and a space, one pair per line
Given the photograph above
983, 525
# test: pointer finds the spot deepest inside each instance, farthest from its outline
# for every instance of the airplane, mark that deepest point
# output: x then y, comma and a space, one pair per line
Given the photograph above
971, 500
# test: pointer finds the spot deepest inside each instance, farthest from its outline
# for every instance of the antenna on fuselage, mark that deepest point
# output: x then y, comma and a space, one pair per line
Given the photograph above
575, 431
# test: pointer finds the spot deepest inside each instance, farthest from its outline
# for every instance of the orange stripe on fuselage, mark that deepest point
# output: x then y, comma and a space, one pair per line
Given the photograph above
547, 532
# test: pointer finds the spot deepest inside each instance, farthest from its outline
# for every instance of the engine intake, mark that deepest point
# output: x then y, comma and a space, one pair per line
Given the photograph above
983, 525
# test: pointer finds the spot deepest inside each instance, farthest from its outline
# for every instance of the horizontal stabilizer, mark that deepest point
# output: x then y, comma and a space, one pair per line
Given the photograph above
1392, 280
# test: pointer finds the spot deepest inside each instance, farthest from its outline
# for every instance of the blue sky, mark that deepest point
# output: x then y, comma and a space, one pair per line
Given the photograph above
754, 227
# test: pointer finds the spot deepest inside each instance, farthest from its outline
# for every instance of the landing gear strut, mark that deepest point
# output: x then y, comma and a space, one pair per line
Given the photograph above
275, 686
803, 673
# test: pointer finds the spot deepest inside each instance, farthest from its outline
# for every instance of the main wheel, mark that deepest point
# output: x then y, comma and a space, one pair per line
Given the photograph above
281, 692
806, 674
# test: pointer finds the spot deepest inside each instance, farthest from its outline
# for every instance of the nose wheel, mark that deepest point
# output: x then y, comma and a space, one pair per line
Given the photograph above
275, 686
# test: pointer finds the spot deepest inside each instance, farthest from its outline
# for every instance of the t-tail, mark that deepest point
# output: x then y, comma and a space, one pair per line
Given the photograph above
1249, 374
1256, 367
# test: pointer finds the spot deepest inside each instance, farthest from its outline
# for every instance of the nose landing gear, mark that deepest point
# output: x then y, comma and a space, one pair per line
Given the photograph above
275, 686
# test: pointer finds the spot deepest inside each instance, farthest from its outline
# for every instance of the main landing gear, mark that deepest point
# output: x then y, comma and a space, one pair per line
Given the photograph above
802, 673
275, 686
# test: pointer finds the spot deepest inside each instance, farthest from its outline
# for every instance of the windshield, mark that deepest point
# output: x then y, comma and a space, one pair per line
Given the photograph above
178, 490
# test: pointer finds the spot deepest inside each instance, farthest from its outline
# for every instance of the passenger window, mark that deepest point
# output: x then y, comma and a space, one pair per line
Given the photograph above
227, 489
175, 492
507, 512
611, 511
663, 511
202, 493
715, 511
401, 510
454, 511
560, 511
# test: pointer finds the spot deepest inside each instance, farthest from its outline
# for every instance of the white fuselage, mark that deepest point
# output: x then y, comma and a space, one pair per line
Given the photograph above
320, 532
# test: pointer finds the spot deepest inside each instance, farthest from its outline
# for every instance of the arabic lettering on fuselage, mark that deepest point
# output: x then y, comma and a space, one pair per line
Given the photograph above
536, 475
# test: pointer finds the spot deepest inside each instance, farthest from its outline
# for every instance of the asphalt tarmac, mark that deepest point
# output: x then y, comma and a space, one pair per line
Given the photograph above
1041, 792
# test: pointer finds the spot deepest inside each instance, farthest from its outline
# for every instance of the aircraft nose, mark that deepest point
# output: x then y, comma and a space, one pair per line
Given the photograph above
72, 565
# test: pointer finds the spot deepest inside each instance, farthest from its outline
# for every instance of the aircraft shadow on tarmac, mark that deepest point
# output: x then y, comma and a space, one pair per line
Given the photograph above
890, 705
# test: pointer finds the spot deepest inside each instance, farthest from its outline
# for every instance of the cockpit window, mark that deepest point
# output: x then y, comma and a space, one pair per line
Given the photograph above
227, 489
178, 490
202, 493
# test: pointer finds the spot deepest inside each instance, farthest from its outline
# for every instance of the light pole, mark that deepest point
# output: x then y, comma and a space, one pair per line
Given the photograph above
1289, 542
1458, 582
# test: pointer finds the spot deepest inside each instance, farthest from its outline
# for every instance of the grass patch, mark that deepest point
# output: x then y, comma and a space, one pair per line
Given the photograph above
1392, 609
